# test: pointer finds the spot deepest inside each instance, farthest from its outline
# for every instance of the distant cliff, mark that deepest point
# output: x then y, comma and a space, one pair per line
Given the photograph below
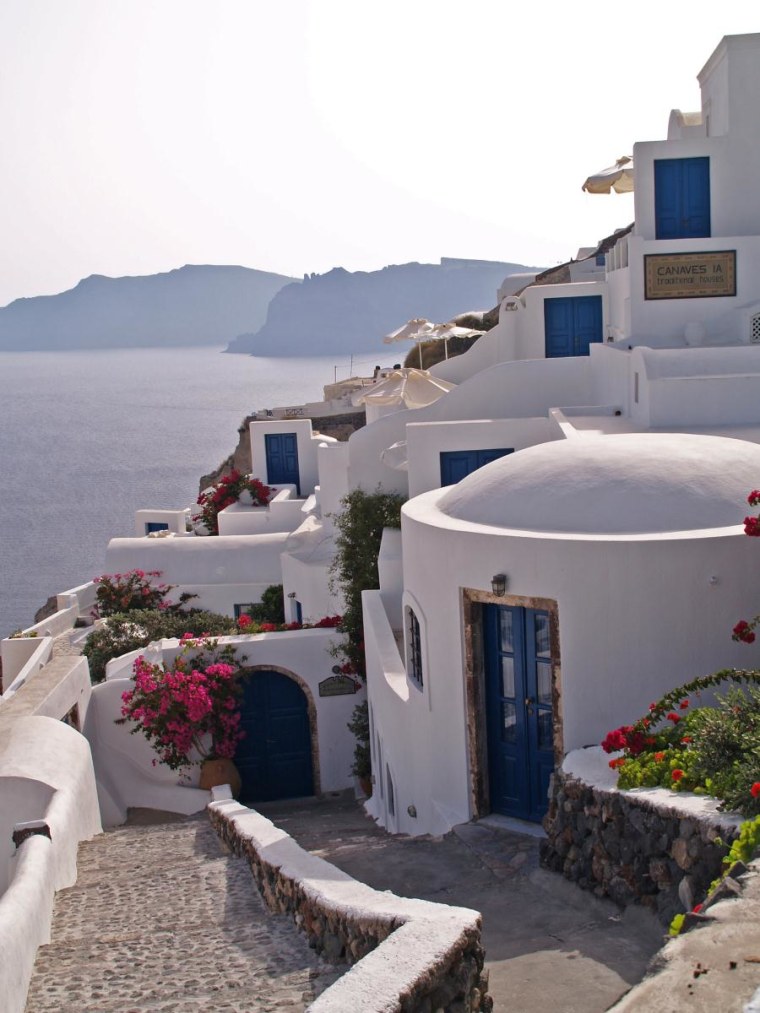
349, 312
193, 305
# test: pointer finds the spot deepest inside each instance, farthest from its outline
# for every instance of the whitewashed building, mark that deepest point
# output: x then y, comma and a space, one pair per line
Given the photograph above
594, 454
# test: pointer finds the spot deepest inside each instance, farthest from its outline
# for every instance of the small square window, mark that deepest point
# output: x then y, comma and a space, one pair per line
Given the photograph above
243, 609
414, 649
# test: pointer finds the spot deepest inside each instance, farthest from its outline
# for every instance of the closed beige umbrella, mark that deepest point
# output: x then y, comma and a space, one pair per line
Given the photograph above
617, 177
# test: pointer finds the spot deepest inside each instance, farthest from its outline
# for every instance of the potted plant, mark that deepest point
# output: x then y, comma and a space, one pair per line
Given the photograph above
361, 768
190, 712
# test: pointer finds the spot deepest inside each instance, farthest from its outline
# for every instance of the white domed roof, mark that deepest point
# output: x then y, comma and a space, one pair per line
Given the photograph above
639, 483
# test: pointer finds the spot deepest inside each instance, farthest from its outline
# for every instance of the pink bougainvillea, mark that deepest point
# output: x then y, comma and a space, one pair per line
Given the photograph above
190, 711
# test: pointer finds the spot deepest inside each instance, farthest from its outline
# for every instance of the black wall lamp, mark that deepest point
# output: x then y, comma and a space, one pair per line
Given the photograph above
499, 584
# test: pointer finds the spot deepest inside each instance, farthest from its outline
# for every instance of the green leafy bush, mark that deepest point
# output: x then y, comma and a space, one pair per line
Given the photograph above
710, 750
125, 632
360, 531
271, 608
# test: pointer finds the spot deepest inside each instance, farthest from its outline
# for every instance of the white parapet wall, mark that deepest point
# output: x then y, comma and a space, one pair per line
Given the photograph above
404, 952
46, 776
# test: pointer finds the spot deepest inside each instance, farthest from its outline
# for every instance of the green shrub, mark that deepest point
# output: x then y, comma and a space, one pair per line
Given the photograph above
271, 608
125, 632
710, 750
360, 531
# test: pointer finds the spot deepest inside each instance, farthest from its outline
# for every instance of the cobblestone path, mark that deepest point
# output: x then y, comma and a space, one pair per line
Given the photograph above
162, 918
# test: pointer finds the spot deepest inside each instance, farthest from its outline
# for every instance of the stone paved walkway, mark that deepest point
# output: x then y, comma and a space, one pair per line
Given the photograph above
161, 919
549, 945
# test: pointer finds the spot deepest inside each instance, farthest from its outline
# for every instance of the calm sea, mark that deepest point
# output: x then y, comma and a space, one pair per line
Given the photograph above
87, 438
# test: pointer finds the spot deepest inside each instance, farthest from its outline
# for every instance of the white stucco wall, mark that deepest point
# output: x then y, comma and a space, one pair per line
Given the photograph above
426, 441
332, 461
639, 612
176, 519
222, 571
307, 443
511, 390
531, 342
695, 386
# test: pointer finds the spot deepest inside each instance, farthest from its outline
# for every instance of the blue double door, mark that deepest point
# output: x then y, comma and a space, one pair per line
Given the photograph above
274, 758
282, 459
572, 325
519, 713
457, 464
682, 198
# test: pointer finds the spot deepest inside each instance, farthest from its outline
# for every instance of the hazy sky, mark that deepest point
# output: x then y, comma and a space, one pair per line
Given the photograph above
297, 135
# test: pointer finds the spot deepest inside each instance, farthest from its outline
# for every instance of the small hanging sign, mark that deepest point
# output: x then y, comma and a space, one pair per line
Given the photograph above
338, 685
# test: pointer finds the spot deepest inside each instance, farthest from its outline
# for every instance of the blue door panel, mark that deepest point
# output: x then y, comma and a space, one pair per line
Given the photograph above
274, 758
519, 716
572, 324
282, 459
682, 198
457, 464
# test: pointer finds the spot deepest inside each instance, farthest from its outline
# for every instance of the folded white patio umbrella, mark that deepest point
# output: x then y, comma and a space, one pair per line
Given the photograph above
410, 388
618, 177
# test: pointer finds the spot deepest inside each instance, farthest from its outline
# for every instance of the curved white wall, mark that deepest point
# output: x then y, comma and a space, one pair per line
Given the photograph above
637, 616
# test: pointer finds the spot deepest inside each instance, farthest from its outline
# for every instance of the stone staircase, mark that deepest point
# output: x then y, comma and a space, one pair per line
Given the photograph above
162, 918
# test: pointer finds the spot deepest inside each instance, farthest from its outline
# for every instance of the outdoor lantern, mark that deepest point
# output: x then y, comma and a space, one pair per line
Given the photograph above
291, 594
499, 584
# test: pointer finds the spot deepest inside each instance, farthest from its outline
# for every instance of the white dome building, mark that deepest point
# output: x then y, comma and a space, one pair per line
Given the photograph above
626, 568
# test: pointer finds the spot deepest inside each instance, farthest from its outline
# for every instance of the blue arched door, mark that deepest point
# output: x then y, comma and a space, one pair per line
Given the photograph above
274, 758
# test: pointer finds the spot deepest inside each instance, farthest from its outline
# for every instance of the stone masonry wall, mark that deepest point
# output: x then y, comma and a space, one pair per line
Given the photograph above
624, 846
408, 955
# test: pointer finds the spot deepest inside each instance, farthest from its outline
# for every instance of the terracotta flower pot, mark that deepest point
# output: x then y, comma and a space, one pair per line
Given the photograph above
221, 771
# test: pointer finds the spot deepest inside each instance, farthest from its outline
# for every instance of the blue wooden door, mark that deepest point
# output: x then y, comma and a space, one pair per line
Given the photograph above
456, 464
519, 717
682, 198
282, 459
274, 758
571, 325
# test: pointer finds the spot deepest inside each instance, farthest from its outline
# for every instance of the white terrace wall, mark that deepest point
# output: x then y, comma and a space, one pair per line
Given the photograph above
695, 386
222, 571
525, 389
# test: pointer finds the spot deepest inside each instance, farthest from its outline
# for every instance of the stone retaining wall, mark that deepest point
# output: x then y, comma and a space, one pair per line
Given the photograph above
634, 847
407, 955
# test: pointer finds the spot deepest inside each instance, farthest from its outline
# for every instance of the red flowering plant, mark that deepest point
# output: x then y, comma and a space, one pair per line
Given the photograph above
227, 491
133, 590
744, 631
246, 624
709, 750
190, 711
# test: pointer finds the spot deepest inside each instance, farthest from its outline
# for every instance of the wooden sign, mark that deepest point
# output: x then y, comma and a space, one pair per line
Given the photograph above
690, 275
338, 685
